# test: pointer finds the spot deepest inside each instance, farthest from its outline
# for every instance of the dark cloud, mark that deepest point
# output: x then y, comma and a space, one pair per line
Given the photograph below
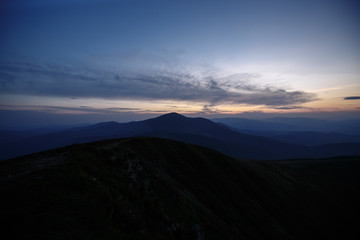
87, 109
352, 98
80, 109
67, 81
289, 108
123, 109
39, 118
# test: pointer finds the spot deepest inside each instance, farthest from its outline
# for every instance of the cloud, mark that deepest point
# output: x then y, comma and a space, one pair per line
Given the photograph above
70, 110
123, 109
352, 98
289, 108
209, 109
77, 82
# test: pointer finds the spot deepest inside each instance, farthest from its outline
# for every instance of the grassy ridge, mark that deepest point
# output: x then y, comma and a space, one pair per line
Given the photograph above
148, 188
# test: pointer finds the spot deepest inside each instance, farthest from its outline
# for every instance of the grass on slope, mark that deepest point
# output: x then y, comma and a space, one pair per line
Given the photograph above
147, 188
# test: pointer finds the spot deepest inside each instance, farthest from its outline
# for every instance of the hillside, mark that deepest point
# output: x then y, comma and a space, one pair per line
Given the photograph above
298, 124
148, 188
174, 126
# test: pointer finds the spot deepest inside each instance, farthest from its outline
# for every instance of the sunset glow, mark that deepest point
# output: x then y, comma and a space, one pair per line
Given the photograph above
123, 60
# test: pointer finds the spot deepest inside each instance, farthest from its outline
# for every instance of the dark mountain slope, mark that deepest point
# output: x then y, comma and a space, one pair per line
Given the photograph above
199, 131
283, 124
253, 149
147, 188
315, 138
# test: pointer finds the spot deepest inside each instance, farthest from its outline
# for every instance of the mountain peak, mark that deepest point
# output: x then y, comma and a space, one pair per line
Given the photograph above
172, 115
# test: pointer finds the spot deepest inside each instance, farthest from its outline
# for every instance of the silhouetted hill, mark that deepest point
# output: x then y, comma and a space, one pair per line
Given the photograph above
350, 126
148, 188
315, 138
254, 125
285, 125
199, 131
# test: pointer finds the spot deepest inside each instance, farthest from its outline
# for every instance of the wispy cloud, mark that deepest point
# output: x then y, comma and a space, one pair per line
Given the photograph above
122, 109
335, 88
209, 109
289, 108
68, 110
59, 80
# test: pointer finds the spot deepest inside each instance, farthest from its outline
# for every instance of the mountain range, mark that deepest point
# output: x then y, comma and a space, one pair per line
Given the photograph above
299, 124
174, 126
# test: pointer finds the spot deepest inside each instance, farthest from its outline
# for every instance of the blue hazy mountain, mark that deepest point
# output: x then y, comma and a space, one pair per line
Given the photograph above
315, 138
300, 131
254, 125
283, 124
174, 126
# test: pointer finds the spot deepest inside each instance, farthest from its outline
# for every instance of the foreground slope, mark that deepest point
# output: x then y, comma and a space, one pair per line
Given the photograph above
148, 188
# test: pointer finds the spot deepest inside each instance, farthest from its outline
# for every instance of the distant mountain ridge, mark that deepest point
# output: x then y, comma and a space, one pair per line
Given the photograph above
282, 124
198, 131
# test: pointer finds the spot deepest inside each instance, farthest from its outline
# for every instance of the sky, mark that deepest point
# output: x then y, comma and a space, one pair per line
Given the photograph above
76, 61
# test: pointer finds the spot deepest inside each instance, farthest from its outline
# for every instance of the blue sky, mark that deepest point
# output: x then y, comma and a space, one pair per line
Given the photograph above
195, 57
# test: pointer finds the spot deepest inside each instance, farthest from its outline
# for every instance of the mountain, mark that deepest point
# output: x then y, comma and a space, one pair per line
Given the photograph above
284, 125
298, 131
149, 188
305, 138
199, 131
254, 125
349, 126
315, 138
